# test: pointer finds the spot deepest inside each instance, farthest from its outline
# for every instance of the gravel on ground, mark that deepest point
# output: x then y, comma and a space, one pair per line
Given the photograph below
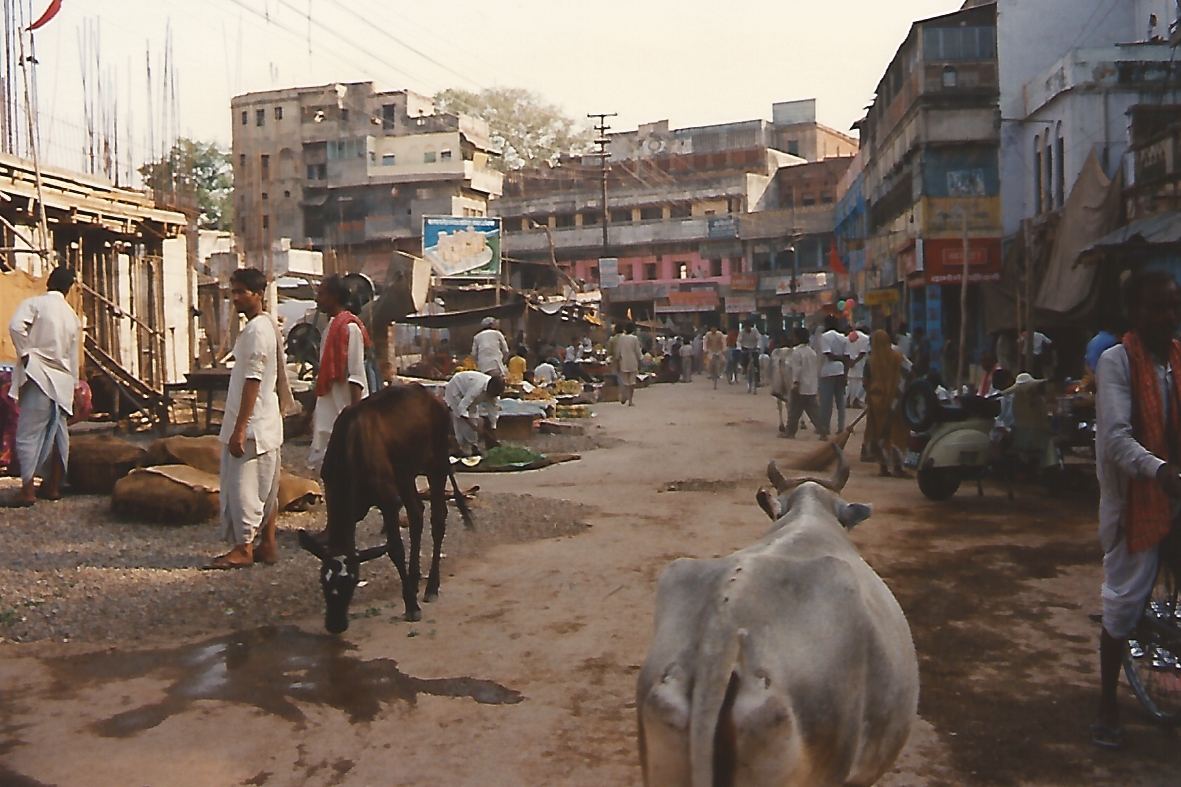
73, 570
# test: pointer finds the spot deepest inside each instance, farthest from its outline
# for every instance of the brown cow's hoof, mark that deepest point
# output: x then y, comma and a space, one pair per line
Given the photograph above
427, 598
413, 616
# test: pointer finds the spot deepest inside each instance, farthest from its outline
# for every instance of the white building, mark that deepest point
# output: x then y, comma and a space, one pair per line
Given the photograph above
1069, 72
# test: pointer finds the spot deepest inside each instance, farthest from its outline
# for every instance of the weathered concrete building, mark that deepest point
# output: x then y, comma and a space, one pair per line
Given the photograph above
930, 144
1066, 87
695, 216
351, 171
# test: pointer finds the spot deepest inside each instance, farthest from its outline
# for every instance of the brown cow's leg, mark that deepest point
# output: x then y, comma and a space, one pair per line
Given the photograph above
414, 512
391, 507
438, 483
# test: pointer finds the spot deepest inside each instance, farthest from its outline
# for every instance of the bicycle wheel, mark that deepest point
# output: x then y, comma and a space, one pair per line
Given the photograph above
1152, 659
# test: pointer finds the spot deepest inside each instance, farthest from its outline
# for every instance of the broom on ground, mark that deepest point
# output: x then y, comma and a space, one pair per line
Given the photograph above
822, 456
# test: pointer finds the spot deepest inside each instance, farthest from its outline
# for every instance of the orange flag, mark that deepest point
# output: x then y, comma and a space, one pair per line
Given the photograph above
835, 262
49, 14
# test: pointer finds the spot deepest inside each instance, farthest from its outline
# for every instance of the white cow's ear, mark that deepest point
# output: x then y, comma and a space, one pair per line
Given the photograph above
770, 504
853, 514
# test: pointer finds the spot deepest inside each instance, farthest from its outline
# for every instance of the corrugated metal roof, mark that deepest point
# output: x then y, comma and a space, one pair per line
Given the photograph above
1159, 230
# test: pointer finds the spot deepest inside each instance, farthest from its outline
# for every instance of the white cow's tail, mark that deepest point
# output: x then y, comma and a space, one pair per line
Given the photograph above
710, 727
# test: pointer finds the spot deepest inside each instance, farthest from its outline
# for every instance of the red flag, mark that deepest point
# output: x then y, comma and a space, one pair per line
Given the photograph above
835, 262
49, 14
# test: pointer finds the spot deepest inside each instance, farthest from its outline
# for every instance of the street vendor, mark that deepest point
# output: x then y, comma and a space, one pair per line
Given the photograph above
489, 349
545, 373
341, 380
464, 393
517, 366
1138, 456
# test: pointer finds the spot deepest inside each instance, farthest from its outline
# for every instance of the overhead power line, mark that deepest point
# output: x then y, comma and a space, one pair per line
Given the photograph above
272, 22
368, 23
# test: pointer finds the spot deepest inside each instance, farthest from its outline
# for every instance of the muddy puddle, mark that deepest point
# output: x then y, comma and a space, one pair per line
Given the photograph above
272, 668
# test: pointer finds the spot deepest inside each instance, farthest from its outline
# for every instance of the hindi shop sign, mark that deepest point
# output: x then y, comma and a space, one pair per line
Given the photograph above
462, 246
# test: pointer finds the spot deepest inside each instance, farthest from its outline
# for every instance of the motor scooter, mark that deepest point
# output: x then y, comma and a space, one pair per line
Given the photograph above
951, 444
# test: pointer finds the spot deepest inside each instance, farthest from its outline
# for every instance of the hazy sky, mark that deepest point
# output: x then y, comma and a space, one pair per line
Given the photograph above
690, 62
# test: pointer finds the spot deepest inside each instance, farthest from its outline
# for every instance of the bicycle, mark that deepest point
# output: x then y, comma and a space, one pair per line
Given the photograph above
715, 366
750, 360
1152, 658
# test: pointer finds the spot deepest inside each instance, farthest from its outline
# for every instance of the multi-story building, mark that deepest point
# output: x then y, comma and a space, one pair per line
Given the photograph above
697, 217
1086, 109
350, 171
930, 178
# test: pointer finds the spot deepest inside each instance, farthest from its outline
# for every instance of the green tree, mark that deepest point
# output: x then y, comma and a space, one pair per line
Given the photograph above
528, 129
195, 176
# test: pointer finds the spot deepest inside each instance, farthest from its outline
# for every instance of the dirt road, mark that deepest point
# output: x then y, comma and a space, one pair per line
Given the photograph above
523, 673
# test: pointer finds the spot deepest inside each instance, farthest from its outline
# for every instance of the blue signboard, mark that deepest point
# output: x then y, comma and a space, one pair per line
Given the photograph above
461, 246
935, 324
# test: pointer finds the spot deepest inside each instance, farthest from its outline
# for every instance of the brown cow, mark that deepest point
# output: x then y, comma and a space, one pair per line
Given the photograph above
378, 448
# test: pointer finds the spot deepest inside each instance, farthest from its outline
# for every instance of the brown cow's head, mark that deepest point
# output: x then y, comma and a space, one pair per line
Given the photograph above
779, 503
339, 576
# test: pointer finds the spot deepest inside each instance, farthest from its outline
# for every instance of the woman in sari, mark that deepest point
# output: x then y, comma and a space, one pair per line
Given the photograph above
886, 431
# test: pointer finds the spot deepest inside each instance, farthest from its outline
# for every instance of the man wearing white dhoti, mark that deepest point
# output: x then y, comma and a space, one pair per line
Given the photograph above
341, 380
464, 392
252, 431
45, 333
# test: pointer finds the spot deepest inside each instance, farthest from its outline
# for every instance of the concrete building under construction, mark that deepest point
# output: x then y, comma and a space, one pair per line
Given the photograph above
136, 286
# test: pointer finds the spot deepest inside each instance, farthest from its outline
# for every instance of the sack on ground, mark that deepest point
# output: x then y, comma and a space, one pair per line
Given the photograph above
297, 494
167, 495
96, 463
203, 453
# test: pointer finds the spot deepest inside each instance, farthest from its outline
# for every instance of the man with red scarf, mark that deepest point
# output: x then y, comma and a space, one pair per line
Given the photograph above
1138, 453
341, 380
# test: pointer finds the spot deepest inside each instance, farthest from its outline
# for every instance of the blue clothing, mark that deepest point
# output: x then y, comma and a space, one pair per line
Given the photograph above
1102, 342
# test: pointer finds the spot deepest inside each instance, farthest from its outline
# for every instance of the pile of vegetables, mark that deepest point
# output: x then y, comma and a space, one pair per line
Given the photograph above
504, 455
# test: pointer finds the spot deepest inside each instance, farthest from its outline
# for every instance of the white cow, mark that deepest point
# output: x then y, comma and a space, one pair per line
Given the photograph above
786, 663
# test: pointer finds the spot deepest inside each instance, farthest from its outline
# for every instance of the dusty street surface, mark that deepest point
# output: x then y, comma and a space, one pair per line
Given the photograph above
523, 672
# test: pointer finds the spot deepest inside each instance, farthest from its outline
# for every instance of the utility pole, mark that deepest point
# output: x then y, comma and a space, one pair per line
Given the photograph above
961, 366
603, 142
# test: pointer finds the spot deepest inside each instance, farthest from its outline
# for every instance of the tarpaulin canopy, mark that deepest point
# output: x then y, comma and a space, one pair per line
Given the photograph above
466, 317
1163, 229
1091, 211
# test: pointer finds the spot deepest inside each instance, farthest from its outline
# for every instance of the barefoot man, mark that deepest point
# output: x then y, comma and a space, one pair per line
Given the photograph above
251, 432
1137, 445
341, 380
44, 331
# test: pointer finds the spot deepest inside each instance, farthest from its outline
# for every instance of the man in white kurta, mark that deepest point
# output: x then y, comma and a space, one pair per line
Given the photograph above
251, 432
348, 388
489, 349
44, 331
463, 395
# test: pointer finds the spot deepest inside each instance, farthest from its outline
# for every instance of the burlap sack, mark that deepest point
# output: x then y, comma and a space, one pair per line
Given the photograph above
297, 494
203, 453
167, 495
96, 463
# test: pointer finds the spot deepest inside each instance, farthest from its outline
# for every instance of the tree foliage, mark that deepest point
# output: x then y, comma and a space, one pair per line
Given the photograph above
529, 130
195, 175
